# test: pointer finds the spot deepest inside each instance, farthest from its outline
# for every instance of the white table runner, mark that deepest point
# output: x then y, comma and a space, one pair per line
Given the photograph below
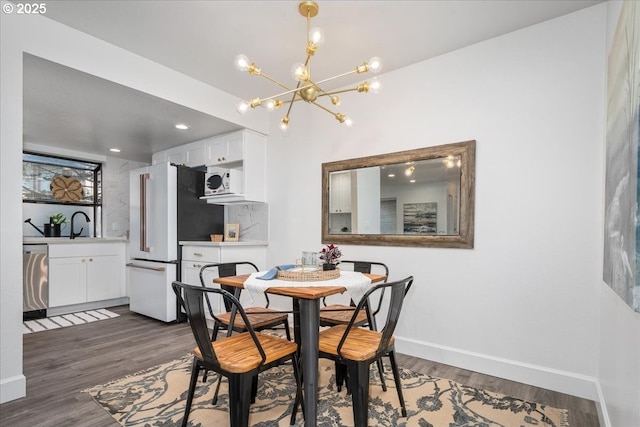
355, 283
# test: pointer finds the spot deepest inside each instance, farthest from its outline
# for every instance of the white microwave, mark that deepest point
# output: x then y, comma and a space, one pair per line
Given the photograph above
222, 181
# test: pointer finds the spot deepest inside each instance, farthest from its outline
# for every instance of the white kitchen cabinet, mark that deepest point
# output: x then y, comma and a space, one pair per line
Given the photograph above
192, 155
340, 191
246, 152
197, 254
86, 272
67, 281
224, 149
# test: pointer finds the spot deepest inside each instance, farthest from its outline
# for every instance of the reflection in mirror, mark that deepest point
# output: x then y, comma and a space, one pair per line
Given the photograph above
420, 197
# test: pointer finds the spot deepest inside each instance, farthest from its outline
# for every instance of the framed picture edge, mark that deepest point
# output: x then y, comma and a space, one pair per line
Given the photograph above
231, 232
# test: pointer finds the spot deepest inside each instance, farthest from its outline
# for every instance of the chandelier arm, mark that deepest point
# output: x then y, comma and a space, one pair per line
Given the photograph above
337, 77
324, 108
271, 79
335, 92
287, 92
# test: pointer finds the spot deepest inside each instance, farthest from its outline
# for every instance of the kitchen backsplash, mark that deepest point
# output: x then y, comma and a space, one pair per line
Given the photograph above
253, 219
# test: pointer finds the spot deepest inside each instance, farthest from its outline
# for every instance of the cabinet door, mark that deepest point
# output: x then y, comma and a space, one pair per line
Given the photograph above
103, 282
194, 153
223, 149
159, 157
177, 156
216, 151
340, 201
235, 147
67, 281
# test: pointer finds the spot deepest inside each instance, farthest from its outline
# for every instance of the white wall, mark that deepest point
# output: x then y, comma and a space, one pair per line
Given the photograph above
619, 350
48, 39
524, 303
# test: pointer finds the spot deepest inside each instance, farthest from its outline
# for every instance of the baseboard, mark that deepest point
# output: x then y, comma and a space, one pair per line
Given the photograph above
13, 388
74, 308
566, 382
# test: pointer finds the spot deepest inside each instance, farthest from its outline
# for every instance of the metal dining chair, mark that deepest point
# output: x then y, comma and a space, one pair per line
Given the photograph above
340, 314
260, 318
355, 349
239, 357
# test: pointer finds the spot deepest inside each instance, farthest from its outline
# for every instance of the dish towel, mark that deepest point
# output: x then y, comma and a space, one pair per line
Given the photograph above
355, 283
271, 274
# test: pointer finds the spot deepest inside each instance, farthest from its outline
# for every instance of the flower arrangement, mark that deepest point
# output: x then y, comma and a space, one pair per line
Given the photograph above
330, 254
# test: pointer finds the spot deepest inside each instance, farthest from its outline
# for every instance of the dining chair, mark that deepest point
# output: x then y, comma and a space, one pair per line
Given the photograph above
357, 348
260, 317
238, 357
340, 314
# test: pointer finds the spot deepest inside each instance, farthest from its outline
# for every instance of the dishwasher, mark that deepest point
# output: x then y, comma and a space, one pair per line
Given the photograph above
35, 281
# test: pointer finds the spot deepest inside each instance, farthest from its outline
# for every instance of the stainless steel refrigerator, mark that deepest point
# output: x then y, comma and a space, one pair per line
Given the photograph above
165, 208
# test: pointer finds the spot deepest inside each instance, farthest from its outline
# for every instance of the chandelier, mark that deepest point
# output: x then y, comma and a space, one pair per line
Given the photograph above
307, 89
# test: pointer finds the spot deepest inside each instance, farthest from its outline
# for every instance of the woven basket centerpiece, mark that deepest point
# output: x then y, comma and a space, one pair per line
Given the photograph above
307, 274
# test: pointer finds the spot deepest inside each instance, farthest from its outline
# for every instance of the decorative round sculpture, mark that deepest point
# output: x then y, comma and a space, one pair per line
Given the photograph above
66, 189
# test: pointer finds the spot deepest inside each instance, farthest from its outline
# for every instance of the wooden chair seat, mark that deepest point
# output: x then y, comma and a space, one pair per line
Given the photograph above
338, 314
238, 354
259, 318
361, 344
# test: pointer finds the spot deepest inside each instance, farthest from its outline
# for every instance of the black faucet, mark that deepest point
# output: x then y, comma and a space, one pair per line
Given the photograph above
73, 235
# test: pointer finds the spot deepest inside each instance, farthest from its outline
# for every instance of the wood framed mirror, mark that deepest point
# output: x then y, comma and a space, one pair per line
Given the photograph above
422, 197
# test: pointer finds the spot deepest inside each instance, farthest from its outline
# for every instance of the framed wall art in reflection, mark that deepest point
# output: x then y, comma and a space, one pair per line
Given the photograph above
420, 218
231, 232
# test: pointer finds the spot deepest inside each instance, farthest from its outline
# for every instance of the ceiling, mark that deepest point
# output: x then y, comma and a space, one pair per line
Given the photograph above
73, 110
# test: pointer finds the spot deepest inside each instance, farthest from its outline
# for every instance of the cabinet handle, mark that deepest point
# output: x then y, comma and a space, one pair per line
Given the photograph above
220, 159
197, 253
83, 260
197, 265
90, 259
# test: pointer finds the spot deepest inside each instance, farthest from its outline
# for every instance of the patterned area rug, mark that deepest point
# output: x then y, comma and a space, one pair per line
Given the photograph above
64, 320
156, 397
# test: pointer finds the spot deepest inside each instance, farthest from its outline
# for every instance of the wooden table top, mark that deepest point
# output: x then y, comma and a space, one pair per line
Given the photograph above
302, 292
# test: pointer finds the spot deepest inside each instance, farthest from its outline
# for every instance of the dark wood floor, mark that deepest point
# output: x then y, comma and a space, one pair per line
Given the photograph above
61, 363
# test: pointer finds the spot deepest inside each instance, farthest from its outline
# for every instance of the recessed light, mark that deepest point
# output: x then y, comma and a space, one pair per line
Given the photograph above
115, 150
182, 126
391, 175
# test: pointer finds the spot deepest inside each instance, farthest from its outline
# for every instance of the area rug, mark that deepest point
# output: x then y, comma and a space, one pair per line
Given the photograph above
64, 320
156, 397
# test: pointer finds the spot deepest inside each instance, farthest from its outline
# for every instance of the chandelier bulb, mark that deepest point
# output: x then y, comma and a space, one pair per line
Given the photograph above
375, 64
300, 72
348, 122
270, 105
284, 123
242, 106
316, 37
375, 86
242, 63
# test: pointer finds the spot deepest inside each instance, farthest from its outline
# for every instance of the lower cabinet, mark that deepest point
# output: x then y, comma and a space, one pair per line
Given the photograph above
98, 274
196, 256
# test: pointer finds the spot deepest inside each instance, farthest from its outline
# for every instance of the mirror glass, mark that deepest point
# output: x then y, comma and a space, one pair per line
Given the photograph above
420, 197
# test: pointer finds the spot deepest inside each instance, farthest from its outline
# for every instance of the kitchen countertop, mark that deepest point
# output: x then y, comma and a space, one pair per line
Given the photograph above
67, 240
215, 244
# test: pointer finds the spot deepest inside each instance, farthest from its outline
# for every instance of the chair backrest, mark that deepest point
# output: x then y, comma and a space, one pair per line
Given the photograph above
225, 269
398, 291
192, 300
367, 266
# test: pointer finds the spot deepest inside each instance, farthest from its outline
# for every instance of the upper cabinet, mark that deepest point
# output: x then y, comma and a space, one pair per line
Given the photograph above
192, 155
223, 149
245, 152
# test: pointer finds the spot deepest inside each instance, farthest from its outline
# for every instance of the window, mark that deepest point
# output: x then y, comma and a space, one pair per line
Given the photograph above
48, 179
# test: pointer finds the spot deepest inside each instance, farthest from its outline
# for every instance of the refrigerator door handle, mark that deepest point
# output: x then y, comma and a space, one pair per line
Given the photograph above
145, 267
143, 212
